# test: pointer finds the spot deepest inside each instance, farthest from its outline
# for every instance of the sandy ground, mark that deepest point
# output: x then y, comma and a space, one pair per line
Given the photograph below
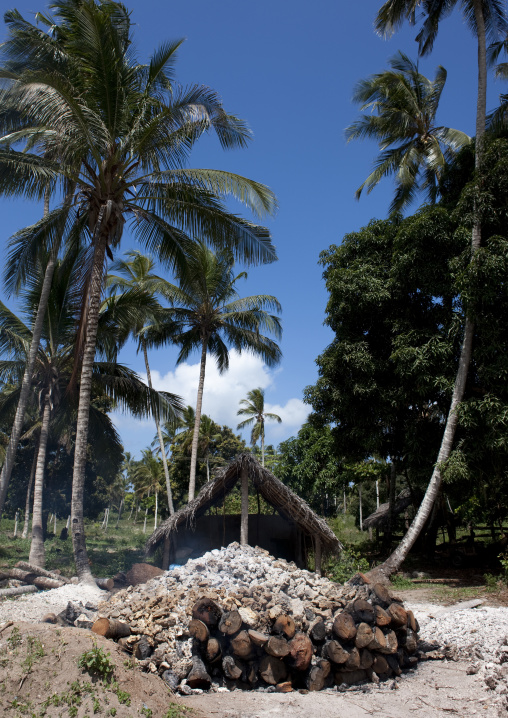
436, 688
27, 686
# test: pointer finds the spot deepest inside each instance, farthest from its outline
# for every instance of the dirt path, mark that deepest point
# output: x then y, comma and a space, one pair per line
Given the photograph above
435, 689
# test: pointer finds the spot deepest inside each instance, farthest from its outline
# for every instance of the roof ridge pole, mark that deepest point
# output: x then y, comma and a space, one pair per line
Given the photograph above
244, 521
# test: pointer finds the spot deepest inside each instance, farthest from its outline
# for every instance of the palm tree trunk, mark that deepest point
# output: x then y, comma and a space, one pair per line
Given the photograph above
156, 509
262, 444
78, 479
17, 427
197, 422
159, 434
119, 513
29, 493
395, 560
37, 555
360, 505
391, 502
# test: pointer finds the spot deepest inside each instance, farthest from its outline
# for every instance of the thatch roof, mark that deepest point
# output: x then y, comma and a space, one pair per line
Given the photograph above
288, 504
380, 516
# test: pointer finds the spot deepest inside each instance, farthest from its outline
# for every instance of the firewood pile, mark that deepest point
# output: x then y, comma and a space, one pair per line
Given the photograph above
238, 618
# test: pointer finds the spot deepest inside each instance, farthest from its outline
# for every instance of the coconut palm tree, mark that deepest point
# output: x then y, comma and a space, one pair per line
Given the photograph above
485, 18
137, 273
53, 370
208, 315
149, 479
121, 130
208, 432
402, 105
254, 407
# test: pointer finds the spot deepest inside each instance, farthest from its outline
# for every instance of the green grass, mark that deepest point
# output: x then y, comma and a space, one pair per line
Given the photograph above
344, 528
401, 583
109, 552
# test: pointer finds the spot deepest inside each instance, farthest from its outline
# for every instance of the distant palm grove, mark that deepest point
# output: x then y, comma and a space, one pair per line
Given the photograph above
411, 398
105, 142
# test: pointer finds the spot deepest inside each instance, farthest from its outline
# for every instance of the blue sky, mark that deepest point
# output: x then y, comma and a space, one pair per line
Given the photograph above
289, 70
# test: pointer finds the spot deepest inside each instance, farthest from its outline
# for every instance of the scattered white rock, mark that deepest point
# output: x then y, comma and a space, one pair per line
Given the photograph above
35, 606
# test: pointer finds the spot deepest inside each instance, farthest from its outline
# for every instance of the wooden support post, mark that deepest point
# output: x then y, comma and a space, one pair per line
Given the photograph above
165, 553
317, 559
244, 525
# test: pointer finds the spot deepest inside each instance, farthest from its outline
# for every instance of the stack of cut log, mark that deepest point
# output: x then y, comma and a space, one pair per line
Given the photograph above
371, 638
367, 640
29, 578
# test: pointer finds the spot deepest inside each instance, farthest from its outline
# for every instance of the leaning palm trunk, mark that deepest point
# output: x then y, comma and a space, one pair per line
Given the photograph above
159, 434
24, 395
29, 493
197, 422
262, 444
395, 560
80, 455
37, 554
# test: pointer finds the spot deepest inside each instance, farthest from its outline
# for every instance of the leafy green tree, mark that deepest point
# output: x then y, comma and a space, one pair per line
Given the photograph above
486, 18
208, 432
224, 446
120, 130
182, 425
399, 290
53, 370
309, 464
208, 315
254, 407
402, 105
149, 479
396, 339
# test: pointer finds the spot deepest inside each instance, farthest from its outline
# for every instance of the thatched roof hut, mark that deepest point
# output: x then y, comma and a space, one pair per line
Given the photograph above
290, 506
381, 515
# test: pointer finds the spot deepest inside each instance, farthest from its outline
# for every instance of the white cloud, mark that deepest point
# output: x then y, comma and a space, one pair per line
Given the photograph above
222, 392
293, 415
221, 398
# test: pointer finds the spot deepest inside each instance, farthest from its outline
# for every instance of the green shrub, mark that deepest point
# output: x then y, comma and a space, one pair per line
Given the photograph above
176, 711
503, 559
15, 639
96, 662
346, 565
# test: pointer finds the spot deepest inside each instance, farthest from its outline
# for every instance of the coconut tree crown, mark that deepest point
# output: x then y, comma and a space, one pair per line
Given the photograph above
402, 105
254, 407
